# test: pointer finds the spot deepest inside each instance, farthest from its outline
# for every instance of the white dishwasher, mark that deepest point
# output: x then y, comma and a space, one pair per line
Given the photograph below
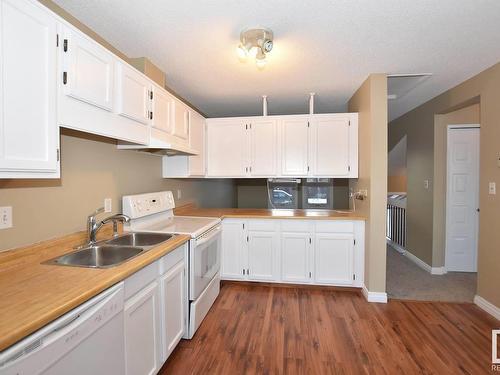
86, 340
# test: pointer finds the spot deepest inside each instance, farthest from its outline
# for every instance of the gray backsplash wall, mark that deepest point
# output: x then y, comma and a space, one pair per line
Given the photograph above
252, 193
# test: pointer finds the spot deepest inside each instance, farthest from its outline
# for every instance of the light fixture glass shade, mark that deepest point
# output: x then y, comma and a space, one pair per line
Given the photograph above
253, 51
242, 52
261, 63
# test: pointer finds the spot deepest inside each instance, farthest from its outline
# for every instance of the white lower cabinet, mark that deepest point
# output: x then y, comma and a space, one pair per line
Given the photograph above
318, 252
233, 264
142, 338
155, 312
334, 258
295, 257
173, 314
262, 250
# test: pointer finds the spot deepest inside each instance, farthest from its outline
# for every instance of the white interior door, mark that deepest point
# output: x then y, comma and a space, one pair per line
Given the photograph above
462, 202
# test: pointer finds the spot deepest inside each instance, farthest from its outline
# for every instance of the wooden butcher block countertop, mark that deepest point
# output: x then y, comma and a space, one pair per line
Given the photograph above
257, 213
34, 294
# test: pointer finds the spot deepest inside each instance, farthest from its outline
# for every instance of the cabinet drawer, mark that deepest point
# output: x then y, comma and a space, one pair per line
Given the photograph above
140, 279
296, 225
329, 226
171, 259
267, 225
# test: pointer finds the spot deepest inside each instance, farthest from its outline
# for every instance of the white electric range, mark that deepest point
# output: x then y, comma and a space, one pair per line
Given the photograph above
153, 212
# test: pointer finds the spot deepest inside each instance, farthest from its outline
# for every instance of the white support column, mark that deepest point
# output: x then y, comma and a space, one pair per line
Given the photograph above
311, 103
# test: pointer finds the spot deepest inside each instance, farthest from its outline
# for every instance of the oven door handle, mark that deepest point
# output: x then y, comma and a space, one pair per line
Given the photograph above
209, 236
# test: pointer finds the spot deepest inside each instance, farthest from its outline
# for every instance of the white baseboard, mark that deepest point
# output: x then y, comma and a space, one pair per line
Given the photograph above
419, 262
396, 247
487, 306
438, 270
374, 296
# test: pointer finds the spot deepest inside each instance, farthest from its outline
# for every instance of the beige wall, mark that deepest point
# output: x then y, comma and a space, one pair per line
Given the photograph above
371, 102
93, 169
467, 115
418, 124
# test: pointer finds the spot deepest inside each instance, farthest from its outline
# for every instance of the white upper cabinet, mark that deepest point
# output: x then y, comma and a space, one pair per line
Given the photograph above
226, 148
29, 135
88, 70
162, 107
329, 144
263, 148
294, 146
334, 258
180, 127
133, 94
197, 142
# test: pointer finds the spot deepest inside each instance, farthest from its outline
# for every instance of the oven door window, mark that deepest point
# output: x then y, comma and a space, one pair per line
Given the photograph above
205, 262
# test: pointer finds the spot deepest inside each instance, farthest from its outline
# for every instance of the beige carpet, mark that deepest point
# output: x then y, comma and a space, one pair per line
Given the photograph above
406, 280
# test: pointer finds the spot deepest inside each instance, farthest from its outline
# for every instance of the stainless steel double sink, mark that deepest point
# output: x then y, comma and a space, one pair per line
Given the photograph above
110, 253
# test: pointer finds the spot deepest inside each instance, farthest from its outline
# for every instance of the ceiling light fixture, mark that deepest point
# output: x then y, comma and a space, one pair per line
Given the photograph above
256, 43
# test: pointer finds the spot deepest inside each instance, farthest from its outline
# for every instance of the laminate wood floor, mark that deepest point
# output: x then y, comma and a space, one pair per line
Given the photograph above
262, 329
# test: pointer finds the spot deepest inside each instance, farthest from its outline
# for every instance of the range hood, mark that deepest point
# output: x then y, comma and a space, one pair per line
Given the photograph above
160, 148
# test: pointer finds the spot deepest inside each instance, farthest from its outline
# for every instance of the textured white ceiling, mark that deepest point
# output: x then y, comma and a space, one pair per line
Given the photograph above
325, 46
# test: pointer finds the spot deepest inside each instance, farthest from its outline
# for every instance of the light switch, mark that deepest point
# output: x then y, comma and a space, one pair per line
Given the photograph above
179, 194
492, 188
426, 184
5, 217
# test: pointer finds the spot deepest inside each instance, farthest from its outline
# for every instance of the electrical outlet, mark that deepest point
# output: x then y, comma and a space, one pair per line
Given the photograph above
5, 217
108, 205
492, 188
179, 194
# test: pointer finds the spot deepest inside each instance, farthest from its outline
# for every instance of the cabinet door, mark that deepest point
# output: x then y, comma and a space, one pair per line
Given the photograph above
173, 300
29, 135
263, 148
262, 249
226, 149
294, 144
142, 332
181, 121
330, 146
197, 142
295, 257
88, 70
333, 258
133, 94
163, 105
233, 259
